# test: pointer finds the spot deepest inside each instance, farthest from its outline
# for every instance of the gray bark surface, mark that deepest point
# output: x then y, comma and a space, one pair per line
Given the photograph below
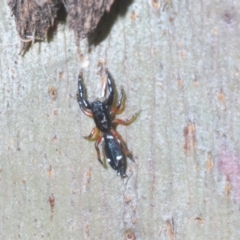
177, 61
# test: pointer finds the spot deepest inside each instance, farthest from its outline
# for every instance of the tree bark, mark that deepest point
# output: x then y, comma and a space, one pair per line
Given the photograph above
177, 61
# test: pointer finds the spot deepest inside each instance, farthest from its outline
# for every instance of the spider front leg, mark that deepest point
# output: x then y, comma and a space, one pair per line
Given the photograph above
110, 98
82, 101
99, 139
115, 109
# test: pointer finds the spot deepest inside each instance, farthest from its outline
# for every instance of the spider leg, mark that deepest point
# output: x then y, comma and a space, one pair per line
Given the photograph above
82, 101
110, 98
94, 131
115, 109
99, 139
127, 121
85, 110
122, 144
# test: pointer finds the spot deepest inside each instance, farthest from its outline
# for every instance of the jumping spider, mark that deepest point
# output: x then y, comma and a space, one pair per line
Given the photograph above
103, 115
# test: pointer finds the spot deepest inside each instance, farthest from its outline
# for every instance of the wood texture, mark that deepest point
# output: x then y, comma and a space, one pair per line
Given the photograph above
179, 62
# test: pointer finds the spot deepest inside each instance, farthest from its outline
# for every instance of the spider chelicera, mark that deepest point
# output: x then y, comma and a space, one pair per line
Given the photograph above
103, 115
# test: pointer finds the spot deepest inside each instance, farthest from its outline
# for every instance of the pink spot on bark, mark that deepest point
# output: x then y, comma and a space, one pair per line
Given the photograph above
229, 165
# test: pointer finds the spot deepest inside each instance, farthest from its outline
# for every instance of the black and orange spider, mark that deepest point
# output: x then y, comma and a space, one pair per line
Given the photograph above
103, 115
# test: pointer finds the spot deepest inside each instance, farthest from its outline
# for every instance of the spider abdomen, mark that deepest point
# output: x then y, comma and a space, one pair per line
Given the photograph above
114, 154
